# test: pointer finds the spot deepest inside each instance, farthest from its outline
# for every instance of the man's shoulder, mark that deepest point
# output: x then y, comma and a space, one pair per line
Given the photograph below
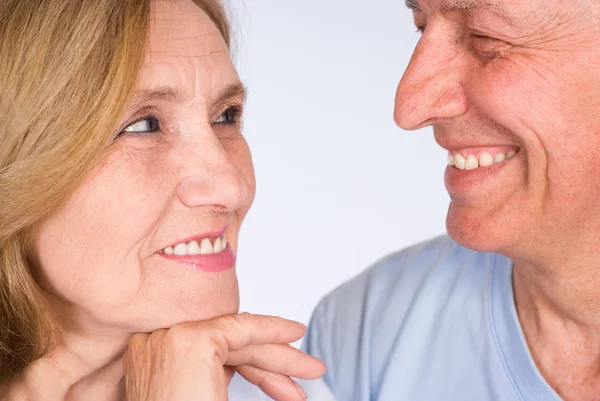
401, 296
427, 267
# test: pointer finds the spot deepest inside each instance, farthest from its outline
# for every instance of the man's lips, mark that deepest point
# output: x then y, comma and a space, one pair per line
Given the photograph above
477, 178
470, 158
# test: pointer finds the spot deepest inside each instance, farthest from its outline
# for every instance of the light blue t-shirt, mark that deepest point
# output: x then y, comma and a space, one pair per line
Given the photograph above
433, 322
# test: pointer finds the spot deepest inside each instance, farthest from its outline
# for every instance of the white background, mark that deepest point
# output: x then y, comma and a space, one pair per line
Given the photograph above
339, 185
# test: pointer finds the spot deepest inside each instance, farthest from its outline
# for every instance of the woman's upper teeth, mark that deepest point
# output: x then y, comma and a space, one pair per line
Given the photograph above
203, 247
471, 162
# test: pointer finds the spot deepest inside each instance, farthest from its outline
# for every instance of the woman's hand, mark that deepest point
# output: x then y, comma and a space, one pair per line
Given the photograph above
196, 361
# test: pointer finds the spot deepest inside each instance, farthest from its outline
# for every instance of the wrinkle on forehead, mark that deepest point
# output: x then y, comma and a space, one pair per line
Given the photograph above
186, 51
452, 5
195, 79
464, 5
587, 8
519, 13
178, 23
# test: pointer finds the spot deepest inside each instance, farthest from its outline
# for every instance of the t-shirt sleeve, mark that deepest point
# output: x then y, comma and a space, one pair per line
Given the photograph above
335, 336
355, 327
316, 335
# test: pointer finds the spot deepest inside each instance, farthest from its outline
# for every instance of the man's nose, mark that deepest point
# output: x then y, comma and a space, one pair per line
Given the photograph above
212, 177
430, 89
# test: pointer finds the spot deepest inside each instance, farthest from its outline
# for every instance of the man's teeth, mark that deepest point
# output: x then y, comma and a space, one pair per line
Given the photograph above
205, 247
471, 162
486, 160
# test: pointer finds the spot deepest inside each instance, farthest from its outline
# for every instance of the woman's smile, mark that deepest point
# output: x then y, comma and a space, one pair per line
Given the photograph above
209, 253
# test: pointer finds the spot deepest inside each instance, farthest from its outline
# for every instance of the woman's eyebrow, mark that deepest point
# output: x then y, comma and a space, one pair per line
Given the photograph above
163, 93
237, 90
166, 93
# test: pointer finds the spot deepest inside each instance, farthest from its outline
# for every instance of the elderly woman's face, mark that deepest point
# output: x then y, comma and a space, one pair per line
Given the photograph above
509, 77
149, 239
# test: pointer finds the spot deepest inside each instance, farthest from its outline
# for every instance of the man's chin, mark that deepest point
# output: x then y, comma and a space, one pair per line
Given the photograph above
477, 231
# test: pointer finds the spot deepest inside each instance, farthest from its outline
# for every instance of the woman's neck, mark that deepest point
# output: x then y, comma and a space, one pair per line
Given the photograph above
96, 367
79, 368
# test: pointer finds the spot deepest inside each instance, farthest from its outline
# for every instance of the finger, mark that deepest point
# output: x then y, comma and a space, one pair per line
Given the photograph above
278, 358
136, 350
246, 329
278, 387
229, 373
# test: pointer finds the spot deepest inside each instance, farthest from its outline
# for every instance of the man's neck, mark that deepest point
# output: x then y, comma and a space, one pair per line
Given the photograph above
559, 309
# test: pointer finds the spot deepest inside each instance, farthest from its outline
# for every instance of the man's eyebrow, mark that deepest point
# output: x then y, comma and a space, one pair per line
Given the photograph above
448, 6
412, 4
167, 93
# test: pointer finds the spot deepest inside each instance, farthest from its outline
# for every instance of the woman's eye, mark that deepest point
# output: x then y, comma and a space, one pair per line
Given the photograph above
143, 126
229, 116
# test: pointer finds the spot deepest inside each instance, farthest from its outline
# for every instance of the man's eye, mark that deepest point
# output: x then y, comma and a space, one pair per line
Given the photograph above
490, 47
487, 40
229, 116
143, 126
421, 28
480, 37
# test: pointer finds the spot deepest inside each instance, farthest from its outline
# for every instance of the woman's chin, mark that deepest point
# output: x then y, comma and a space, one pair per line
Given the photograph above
200, 308
174, 293
184, 303
157, 322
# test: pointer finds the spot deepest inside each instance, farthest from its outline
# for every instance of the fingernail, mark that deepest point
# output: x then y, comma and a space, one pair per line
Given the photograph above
301, 391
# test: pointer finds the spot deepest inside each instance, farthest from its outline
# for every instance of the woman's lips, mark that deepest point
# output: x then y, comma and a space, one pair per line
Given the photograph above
211, 263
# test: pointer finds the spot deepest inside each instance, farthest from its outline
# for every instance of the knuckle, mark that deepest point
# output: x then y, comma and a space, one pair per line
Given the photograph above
137, 346
138, 340
215, 351
245, 316
178, 338
231, 321
266, 378
262, 379
236, 327
202, 341
239, 322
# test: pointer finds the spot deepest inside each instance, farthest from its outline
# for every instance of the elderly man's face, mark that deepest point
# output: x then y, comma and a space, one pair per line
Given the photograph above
512, 89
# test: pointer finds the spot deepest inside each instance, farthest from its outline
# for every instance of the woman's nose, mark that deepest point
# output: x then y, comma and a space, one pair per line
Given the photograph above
213, 177
430, 90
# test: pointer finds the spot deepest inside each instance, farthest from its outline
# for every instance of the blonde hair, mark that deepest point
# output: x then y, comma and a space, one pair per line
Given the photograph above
67, 69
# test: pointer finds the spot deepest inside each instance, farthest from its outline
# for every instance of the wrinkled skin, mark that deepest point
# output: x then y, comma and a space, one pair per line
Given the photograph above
523, 74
